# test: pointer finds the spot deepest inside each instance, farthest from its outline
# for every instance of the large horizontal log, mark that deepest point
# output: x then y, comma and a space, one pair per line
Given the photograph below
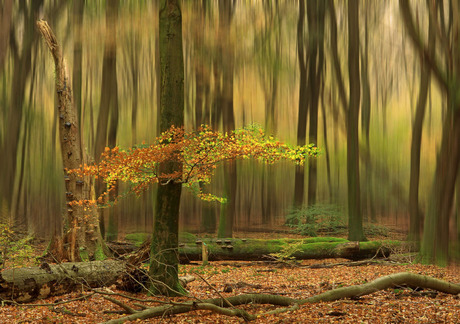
255, 249
259, 249
25, 284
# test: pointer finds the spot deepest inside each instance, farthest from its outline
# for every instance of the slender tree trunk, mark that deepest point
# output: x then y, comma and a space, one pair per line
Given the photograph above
107, 121
355, 217
367, 194
228, 116
425, 79
164, 256
78, 10
299, 181
6, 10
315, 16
81, 239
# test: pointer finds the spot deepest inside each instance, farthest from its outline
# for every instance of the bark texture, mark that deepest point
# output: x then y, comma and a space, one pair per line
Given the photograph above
164, 261
355, 217
81, 238
26, 284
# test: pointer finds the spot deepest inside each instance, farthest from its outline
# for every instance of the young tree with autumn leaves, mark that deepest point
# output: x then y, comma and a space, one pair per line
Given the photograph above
179, 158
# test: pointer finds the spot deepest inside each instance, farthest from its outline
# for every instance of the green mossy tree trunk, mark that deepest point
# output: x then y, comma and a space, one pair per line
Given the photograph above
164, 255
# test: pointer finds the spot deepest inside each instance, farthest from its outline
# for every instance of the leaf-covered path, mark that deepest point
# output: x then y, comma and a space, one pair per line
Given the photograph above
233, 278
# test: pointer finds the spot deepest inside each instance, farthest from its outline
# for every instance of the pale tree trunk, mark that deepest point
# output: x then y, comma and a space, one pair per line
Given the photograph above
165, 238
81, 238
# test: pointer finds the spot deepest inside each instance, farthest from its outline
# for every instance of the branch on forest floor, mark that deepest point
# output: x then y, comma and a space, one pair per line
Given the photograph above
390, 281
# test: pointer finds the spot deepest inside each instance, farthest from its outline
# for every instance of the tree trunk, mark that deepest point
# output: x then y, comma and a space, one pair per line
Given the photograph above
355, 217
81, 239
6, 16
299, 181
367, 194
107, 121
315, 17
164, 261
425, 79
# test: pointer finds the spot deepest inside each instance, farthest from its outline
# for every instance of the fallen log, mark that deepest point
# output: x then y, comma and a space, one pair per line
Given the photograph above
26, 284
263, 250
255, 250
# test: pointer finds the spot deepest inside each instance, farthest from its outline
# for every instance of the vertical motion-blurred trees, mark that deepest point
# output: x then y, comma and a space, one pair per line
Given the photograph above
445, 67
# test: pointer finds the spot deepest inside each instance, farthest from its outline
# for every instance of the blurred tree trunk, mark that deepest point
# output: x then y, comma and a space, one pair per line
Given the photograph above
202, 106
299, 181
81, 239
6, 13
367, 194
107, 122
355, 217
164, 256
435, 239
78, 10
315, 17
14, 113
226, 57
425, 79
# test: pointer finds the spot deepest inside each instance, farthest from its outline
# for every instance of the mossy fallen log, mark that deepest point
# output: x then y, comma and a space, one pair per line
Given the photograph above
258, 249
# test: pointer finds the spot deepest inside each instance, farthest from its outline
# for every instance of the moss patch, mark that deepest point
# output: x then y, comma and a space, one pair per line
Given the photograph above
137, 238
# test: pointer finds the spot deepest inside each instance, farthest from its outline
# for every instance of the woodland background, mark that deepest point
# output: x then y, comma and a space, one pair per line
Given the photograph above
242, 67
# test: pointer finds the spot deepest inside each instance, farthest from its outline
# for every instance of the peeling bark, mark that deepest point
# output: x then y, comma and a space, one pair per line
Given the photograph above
81, 239
26, 284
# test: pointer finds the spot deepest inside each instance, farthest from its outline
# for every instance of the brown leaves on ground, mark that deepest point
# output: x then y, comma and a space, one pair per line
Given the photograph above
400, 305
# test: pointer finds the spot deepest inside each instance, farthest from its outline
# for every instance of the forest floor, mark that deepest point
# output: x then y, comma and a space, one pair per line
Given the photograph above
399, 305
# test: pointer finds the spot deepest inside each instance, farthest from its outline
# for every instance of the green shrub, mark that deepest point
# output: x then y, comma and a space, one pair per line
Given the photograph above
15, 250
315, 219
